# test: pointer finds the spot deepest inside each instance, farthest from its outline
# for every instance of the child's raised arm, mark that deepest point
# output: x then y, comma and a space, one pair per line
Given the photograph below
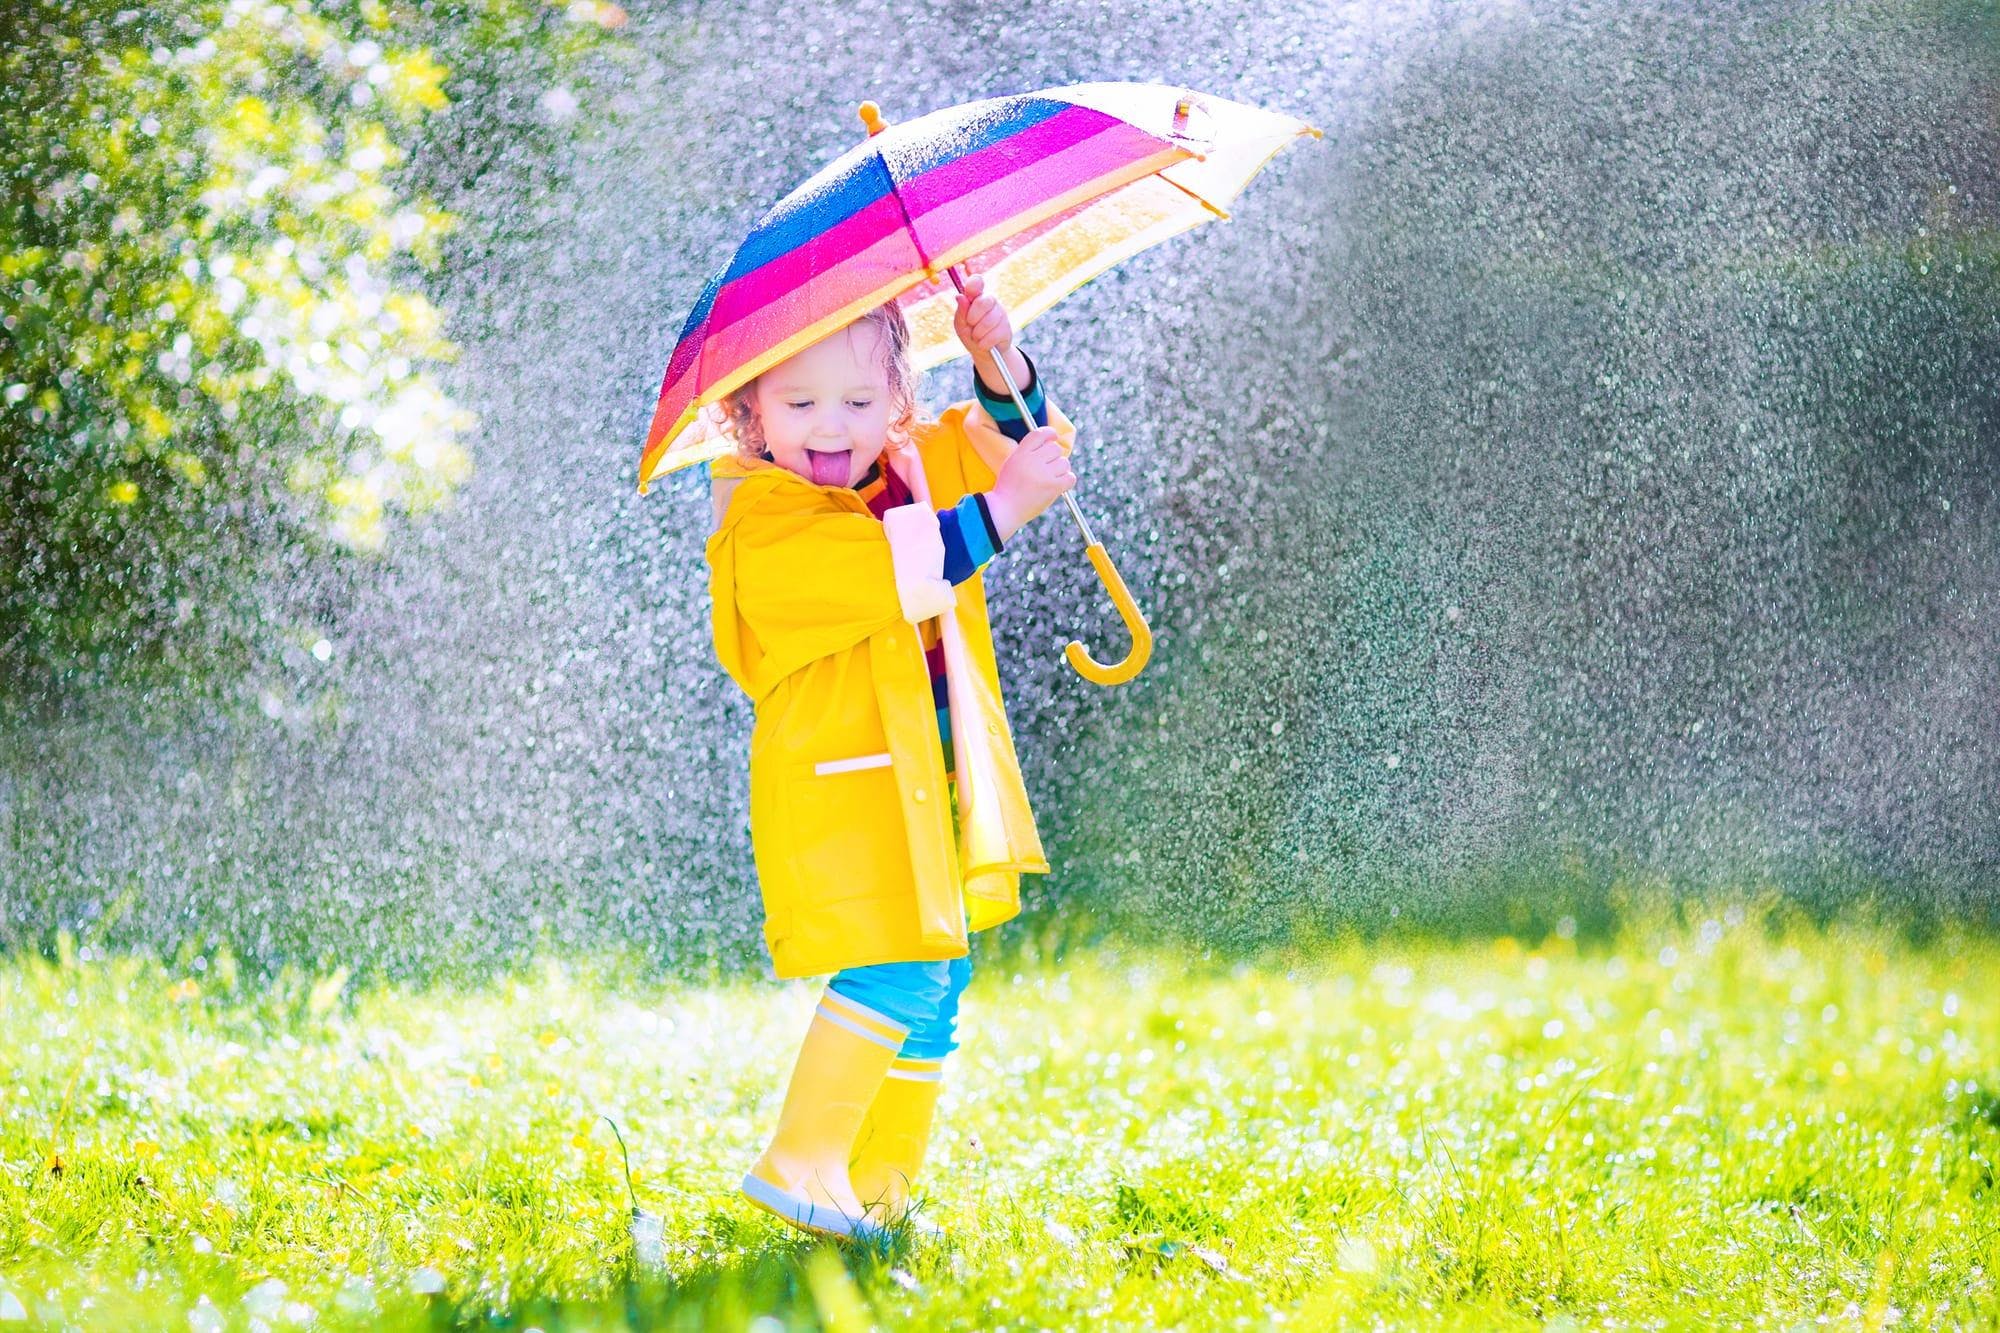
999, 404
986, 330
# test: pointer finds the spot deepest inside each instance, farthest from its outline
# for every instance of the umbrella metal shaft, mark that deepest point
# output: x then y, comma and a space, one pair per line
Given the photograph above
1021, 406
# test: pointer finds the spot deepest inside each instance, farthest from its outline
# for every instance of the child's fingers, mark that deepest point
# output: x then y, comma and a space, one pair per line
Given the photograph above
982, 333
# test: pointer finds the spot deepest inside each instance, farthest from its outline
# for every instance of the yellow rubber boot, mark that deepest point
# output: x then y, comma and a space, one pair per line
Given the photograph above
802, 1176
889, 1149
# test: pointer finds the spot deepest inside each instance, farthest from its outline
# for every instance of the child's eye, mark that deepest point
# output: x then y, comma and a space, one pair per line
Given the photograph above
859, 402
796, 405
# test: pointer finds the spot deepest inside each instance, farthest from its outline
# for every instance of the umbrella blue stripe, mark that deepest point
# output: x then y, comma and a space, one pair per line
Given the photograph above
685, 348
820, 205
985, 124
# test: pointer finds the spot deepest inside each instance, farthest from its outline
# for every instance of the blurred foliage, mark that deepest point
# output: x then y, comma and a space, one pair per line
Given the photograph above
220, 221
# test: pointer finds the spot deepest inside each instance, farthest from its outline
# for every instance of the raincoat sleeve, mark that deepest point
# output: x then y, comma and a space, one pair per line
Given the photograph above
1000, 406
970, 537
811, 583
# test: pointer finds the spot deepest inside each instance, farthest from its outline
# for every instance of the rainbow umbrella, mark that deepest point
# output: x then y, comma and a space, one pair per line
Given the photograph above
1040, 192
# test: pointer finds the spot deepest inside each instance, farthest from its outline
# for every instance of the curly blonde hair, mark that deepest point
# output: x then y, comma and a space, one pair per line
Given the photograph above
904, 386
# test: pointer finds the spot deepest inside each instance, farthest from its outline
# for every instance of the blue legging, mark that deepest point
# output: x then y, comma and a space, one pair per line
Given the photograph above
921, 996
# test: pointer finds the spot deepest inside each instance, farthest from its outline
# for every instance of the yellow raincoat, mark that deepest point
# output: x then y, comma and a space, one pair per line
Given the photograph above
850, 819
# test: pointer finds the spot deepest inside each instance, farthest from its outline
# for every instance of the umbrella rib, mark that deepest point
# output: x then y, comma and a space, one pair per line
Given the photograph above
909, 223
1221, 213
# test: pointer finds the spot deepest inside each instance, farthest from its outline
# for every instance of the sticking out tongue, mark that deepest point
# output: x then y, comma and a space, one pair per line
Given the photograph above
829, 469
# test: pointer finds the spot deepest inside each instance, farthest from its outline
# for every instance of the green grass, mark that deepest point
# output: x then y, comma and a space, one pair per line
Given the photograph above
1736, 1121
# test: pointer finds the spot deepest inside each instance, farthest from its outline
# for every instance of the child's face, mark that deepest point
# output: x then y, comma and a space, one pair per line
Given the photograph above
825, 411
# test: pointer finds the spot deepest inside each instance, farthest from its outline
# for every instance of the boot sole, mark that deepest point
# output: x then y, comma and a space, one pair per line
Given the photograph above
806, 1215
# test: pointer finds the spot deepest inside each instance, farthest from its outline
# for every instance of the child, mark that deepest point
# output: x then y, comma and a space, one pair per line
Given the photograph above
828, 578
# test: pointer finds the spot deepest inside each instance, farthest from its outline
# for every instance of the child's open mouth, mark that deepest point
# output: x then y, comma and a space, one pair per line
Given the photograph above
829, 469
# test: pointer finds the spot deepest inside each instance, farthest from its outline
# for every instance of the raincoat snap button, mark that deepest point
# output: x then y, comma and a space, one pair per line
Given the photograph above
919, 794
993, 728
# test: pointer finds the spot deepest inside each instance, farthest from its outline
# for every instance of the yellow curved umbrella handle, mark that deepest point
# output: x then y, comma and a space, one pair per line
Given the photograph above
1117, 673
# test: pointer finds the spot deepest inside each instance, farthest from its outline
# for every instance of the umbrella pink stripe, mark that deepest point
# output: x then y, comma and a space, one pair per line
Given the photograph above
770, 324
796, 268
1099, 158
688, 349
686, 357
853, 233
1026, 147
1086, 144
675, 398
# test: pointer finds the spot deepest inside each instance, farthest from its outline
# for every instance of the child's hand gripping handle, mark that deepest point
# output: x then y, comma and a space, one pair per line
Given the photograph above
1080, 660
1034, 476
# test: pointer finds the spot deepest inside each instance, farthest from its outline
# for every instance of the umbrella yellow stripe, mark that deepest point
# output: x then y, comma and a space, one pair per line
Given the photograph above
1216, 167
1029, 294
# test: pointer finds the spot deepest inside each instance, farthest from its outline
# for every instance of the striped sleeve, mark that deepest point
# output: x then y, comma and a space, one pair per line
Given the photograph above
970, 539
1000, 406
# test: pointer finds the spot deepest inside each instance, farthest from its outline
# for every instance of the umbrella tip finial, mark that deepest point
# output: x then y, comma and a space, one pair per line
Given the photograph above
871, 116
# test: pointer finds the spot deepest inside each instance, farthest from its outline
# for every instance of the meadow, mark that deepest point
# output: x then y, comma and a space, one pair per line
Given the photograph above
1721, 1115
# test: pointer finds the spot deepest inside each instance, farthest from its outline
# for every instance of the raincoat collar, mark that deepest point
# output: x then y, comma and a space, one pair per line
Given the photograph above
730, 471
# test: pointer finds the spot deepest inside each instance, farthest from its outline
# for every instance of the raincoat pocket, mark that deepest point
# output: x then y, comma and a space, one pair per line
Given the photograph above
844, 824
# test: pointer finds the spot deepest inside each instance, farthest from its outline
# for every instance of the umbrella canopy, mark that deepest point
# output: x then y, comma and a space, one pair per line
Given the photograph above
1040, 192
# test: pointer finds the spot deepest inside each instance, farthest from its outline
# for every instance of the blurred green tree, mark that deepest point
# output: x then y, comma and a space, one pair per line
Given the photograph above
219, 217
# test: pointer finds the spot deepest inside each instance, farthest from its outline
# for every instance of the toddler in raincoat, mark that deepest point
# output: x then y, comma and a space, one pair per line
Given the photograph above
847, 529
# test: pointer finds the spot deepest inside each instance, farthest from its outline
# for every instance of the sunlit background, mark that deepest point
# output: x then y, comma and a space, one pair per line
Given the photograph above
1572, 479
